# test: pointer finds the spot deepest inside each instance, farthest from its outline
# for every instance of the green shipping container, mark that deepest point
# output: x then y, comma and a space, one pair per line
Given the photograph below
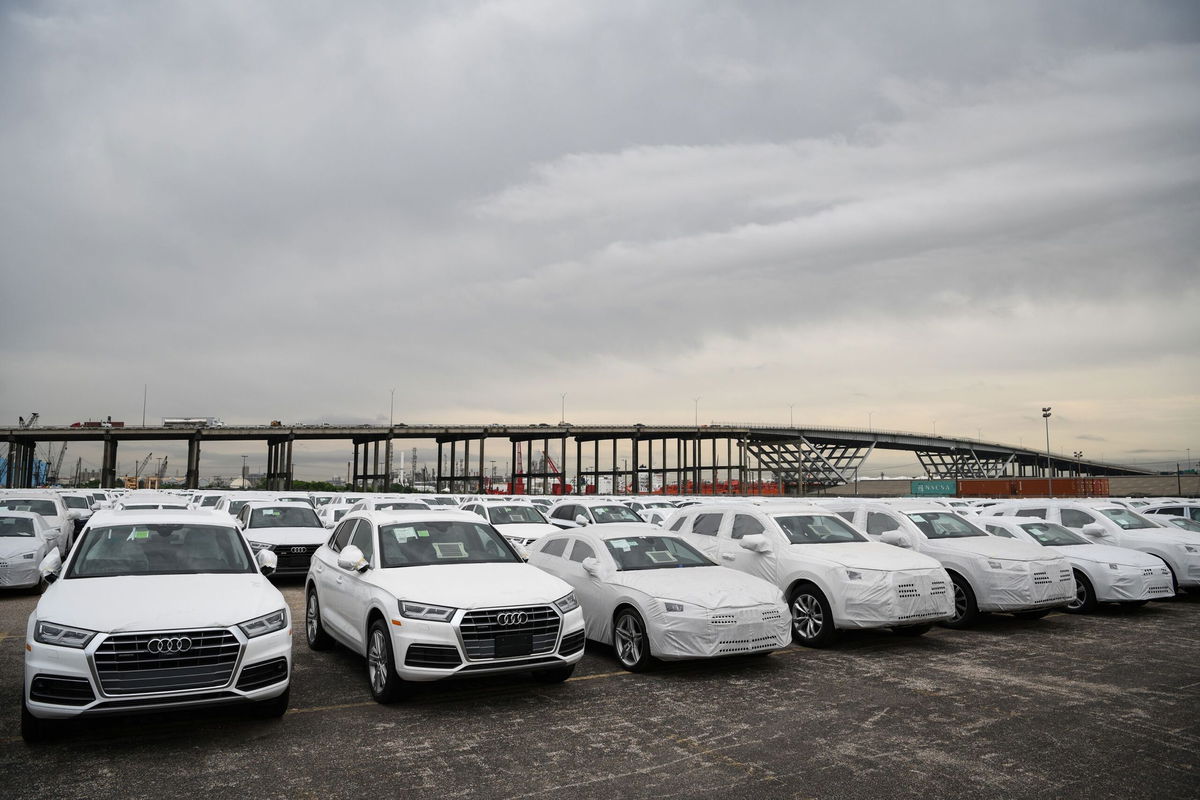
934, 488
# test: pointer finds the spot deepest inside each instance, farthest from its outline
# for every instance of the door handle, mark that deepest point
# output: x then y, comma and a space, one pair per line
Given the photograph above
339, 578
727, 556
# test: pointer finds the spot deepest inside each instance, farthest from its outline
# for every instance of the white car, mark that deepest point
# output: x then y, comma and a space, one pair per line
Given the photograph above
521, 523
25, 539
1189, 509
1109, 523
833, 576
290, 530
655, 512
51, 508
331, 514
437, 594
390, 504
988, 573
578, 512
1103, 573
636, 597
155, 610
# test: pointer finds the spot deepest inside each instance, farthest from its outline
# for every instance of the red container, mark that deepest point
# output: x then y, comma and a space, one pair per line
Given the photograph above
1034, 487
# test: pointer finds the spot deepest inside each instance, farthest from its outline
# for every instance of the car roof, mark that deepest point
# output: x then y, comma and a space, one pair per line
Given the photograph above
170, 516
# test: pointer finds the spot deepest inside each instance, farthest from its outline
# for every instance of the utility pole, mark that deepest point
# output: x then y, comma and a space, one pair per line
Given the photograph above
1049, 472
145, 387
696, 404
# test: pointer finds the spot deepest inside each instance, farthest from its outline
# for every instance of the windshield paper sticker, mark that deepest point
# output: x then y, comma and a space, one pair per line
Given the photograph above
660, 556
449, 550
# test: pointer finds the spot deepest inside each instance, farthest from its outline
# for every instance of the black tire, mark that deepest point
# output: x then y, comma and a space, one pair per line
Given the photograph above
1032, 614
275, 707
812, 618
34, 729
556, 675
386, 686
631, 641
314, 632
966, 610
912, 630
1085, 601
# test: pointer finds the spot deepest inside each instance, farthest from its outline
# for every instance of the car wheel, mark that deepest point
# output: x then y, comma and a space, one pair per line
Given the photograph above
1032, 614
314, 632
630, 641
34, 729
912, 630
381, 671
812, 618
556, 675
275, 707
966, 610
1085, 596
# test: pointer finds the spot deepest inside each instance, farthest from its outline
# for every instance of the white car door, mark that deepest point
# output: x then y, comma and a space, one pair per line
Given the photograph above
354, 595
328, 578
761, 565
703, 534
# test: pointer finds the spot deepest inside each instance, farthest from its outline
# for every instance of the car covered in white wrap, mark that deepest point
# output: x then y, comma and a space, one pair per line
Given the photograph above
832, 575
522, 523
652, 595
989, 573
1103, 573
155, 610
437, 594
25, 539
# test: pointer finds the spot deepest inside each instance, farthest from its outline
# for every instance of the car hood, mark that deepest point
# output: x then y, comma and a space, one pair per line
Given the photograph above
708, 587
993, 547
159, 602
864, 555
19, 545
472, 585
1108, 554
287, 535
527, 530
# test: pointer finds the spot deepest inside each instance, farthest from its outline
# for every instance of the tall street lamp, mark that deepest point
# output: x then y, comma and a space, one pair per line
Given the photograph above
1078, 454
1049, 473
791, 415
696, 404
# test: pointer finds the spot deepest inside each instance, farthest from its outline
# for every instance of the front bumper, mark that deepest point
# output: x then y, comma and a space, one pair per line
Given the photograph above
18, 573
1032, 586
703, 633
63, 682
895, 599
1131, 583
434, 651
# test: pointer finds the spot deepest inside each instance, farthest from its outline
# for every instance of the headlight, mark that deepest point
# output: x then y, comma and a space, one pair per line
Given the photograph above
672, 607
1114, 566
1187, 548
61, 635
27, 556
256, 546
568, 603
425, 611
998, 563
267, 623
853, 575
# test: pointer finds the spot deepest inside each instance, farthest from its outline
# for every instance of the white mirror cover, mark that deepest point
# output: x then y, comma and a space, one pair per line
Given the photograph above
351, 558
895, 537
51, 564
755, 543
591, 565
581, 519
267, 560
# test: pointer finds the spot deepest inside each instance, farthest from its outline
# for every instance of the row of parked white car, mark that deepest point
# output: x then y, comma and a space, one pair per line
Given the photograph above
163, 600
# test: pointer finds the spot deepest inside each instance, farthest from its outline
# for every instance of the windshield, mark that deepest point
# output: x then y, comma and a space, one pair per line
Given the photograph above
236, 505
1052, 535
606, 514
46, 508
817, 529
445, 501
943, 525
654, 552
210, 500
1127, 519
16, 526
284, 517
76, 502
160, 549
515, 515
414, 544
1185, 523
402, 505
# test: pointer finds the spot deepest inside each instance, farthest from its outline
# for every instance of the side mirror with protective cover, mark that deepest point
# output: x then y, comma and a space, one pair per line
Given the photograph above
351, 558
581, 519
591, 566
755, 543
51, 565
267, 562
897, 538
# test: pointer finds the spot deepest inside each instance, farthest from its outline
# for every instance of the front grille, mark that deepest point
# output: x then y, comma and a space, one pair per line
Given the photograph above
294, 556
148, 702
907, 590
484, 637
772, 615
1065, 575
125, 665
937, 588
1160, 590
1040, 579
436, 656
722, 619
61, 690
1148, 571
571, 643
747, 645
263, 674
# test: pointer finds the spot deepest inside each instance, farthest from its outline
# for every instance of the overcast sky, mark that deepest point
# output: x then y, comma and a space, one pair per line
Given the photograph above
926, 215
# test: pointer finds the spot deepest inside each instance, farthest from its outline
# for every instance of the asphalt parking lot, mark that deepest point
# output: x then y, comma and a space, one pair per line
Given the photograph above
1097, 706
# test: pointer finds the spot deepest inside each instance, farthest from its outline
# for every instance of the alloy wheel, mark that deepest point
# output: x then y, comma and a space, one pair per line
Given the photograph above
377, 665
312, 617
960, 603
629, 640
807, 616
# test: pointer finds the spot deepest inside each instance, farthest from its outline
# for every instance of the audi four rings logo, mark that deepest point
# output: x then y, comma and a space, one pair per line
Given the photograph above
512, 618
174, 644
299, 549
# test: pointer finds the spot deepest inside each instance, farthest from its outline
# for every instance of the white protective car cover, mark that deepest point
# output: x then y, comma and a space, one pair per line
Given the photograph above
724, 611
21, 555
1038, 577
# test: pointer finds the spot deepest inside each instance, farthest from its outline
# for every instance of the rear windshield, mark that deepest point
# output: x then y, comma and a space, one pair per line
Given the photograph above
515, 515
76, 502
16, 526
607, 514
46, 508
160, 549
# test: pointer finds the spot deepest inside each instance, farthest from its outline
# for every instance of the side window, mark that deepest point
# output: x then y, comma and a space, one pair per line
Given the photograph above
707, 524
364, 539
582, 550
745, 525
1076, 519
1174, 511
847, 515
678, 524
1040, 513
341, 536
878, 523
563, 512
555, 547
996, 530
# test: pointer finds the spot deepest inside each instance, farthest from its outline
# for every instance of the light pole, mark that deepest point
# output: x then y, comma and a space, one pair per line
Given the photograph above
1078, 454
791, 415
1049, 473
934, 423
562, 409
696, 405
244, 478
